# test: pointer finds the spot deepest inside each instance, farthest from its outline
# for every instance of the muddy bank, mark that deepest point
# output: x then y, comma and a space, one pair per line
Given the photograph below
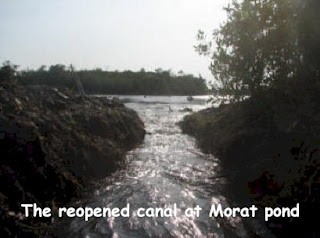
269, 149
52, 143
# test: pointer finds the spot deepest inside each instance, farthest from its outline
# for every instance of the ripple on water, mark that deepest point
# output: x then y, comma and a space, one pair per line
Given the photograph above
166, 169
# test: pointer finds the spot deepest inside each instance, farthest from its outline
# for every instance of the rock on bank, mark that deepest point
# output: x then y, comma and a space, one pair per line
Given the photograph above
52, 142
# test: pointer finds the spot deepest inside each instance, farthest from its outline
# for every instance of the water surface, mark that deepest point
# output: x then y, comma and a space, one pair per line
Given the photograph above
166, 169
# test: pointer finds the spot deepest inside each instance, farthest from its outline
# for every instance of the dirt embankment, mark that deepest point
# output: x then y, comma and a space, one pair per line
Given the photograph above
269, 148
52, 142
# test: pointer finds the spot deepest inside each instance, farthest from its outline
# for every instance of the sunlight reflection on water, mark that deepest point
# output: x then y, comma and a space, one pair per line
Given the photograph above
166, 169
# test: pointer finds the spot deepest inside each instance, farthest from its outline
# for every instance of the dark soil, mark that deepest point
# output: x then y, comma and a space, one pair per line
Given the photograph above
269, 148
52, 143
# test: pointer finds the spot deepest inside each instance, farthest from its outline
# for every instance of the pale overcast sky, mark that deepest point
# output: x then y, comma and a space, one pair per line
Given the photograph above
110, 34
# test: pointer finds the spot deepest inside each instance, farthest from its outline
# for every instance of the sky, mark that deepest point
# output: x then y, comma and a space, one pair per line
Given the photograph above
108, 34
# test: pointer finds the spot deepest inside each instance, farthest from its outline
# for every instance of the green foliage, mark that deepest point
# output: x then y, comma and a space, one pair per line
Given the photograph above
98, 81
128, 82
8, 71
56, 75
264, 43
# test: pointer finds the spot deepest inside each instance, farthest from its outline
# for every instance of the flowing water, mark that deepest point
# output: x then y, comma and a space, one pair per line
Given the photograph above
166, 169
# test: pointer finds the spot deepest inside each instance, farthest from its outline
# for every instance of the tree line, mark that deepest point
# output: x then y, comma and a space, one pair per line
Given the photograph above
97, 81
